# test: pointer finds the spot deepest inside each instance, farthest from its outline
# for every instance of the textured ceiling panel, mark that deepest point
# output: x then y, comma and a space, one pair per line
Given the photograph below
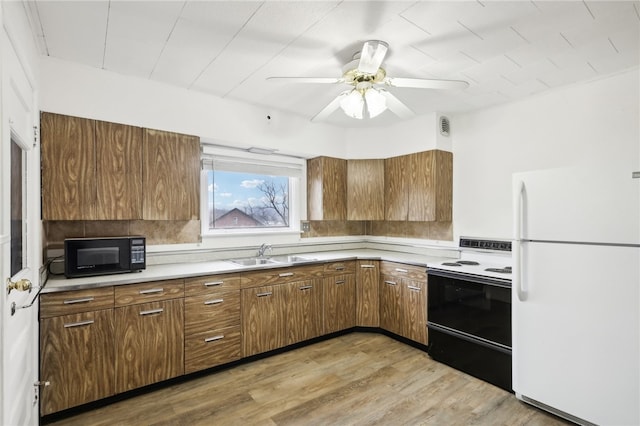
505, 50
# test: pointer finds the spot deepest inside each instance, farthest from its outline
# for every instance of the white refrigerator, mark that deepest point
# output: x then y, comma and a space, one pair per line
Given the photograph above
576, 298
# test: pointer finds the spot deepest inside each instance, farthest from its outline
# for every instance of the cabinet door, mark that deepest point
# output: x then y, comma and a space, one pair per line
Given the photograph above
171, 176
367, 294
327, 188
68, 167
118, 171
430, 186
339, 302
263, 319
149, 343
77, 359
396, 195
304, 310
365, 189
414, 315
390, 303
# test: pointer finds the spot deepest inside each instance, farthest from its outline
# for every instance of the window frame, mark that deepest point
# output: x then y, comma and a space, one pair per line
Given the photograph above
239, 158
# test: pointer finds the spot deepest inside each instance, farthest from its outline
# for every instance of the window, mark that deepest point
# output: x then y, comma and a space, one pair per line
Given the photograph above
250, 193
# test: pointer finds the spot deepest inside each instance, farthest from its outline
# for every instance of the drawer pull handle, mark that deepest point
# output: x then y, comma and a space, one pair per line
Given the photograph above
268, 293
286, 274
213, 283
340, 282
78, 324
213, 302
72, 301
152, 291
404, 271
152, 311
339, 268
367, 266
214, 338
412, 287
306, 287
391, 282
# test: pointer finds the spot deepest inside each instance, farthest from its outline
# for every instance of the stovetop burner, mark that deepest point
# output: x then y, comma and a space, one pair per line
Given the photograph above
468, 262
487, 258
452, 264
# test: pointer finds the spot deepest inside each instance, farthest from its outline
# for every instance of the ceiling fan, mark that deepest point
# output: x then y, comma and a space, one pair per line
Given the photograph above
368, 97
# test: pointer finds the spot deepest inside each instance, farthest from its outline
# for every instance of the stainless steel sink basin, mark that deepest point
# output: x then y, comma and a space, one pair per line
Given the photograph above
252, 261
274, 260
292, 259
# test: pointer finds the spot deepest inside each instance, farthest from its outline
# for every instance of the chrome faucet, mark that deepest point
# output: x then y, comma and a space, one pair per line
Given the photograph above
263, 248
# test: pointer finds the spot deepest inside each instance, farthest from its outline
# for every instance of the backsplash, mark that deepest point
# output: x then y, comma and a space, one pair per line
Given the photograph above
442, 231
156, 231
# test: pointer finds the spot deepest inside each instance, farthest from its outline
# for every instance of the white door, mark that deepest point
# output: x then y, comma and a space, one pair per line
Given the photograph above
19, 241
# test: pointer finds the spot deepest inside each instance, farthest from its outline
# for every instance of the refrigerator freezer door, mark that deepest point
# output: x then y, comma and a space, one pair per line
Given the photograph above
579, 205
576, 337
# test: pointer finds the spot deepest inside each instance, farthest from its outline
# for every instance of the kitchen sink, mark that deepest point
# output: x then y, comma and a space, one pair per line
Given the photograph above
274, 260
292, 259
252, 261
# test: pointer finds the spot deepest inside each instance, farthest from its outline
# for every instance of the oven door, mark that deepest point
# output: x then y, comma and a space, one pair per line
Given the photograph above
475, 306
469, 321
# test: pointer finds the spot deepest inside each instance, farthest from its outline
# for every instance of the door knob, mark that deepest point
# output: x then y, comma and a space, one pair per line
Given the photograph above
20, 285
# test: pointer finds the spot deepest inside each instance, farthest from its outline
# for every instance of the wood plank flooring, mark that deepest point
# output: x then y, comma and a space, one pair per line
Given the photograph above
355, 379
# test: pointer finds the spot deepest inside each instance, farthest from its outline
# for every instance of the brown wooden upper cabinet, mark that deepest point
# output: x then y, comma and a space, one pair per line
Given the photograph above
327, 188
171, 178
365, 189
91, 170
418, 187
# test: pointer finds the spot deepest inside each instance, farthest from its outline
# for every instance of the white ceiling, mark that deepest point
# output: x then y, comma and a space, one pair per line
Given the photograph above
506, 50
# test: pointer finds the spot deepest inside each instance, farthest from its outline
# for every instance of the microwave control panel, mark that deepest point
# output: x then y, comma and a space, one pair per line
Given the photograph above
138, 251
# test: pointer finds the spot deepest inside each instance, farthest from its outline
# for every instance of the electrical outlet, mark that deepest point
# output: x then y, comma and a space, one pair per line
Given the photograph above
306, 227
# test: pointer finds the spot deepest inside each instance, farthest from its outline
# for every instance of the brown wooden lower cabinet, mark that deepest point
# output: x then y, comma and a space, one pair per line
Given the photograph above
304, 310
403, 300
77, 359
339, 302
367, 293
263, 319
99, 342
149, 343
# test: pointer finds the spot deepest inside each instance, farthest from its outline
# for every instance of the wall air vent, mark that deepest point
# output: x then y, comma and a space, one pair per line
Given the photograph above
444, 126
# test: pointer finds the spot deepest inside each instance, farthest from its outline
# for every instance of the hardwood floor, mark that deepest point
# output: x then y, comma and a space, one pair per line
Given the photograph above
355, 379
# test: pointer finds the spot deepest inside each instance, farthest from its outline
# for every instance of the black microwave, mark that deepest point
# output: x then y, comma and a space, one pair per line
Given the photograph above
84, 257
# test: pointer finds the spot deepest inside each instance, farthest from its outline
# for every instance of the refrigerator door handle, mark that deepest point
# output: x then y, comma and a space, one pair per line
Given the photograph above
518, 219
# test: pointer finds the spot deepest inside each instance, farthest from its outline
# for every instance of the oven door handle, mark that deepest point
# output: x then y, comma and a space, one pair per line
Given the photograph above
518, 220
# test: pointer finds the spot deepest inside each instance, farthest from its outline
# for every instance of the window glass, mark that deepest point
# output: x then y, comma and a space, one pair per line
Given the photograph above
17, 194
247, 200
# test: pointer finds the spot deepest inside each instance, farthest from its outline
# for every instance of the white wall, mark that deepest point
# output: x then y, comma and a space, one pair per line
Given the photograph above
78, 90
406, 137
579, 123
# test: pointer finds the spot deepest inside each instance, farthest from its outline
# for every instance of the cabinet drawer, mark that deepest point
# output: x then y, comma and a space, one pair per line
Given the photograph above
281, 275
72, 302
340, 267
403, 270
211, 348
205, 285
155, 291
212, 311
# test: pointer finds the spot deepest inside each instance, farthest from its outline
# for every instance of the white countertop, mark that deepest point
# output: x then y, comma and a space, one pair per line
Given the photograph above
187, 269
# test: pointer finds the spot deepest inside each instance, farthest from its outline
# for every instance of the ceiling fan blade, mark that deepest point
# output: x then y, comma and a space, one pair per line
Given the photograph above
396, 106
320, 80
423, 83
372, 55
329, 109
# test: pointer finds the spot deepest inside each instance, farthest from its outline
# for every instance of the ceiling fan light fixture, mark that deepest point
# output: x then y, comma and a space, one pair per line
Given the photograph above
376, 103
353, 104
